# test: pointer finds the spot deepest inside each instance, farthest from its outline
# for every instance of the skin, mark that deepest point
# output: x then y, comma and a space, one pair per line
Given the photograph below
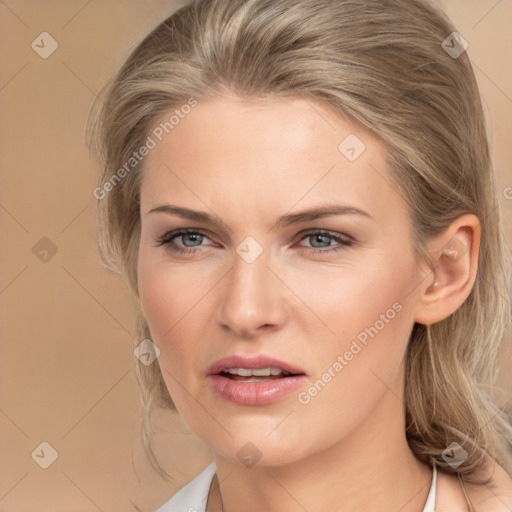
249, 163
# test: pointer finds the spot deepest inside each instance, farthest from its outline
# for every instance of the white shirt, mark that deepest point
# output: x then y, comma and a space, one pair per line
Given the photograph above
193, 497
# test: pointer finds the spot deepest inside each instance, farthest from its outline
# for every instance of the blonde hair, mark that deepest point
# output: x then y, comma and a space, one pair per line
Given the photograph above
381, 64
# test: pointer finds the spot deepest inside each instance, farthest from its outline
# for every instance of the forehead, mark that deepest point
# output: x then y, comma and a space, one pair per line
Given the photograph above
257, 129
263, 154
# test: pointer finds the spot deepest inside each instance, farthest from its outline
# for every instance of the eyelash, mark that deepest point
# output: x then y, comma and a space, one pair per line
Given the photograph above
169, 237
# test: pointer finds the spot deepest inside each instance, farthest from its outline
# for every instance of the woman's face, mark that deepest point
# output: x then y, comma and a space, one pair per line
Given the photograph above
283, 315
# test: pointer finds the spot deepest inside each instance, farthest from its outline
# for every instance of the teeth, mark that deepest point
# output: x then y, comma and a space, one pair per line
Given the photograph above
257, 372
263, 372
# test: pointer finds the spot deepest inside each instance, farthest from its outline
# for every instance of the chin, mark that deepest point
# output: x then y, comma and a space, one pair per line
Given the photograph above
254, 448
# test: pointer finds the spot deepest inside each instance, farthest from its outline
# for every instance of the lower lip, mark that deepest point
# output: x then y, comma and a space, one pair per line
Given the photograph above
255, 393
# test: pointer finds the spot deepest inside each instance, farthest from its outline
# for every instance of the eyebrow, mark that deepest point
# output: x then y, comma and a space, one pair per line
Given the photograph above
328, 210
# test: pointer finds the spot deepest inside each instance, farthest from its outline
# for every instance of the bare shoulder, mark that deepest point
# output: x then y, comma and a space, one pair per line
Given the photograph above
496, 496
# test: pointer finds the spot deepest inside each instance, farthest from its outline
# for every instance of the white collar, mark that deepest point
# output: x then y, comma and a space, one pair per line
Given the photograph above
193, 497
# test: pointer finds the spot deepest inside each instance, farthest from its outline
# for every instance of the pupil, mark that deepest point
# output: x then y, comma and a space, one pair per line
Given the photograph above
319, 238
192, 236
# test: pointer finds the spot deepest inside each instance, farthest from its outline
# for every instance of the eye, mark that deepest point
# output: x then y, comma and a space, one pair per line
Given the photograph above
190, 240
322, 241
187, 241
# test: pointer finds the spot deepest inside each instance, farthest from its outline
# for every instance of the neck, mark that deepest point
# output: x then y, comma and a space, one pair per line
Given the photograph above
372, 468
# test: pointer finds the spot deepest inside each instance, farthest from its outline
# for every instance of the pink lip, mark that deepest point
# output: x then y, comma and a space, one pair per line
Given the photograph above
254, 393
261, 361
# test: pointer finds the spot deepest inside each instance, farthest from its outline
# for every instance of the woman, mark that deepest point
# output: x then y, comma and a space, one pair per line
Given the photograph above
300, 195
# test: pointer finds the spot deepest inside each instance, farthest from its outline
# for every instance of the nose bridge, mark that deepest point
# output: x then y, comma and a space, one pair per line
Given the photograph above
252, 295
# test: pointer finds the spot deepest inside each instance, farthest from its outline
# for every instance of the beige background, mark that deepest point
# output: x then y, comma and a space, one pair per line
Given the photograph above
66, 371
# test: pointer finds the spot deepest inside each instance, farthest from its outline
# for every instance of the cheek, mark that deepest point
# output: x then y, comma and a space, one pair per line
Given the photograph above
164, 299
175, 304
354, 368
364, 303
168, 292
366, 318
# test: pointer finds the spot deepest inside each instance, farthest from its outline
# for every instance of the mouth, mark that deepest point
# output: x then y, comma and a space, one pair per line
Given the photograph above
256, 374
259, 380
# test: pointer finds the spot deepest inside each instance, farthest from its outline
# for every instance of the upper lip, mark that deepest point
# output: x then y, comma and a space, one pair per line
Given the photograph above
251, 363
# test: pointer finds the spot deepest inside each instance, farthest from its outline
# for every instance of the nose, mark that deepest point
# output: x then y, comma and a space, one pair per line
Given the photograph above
253, 298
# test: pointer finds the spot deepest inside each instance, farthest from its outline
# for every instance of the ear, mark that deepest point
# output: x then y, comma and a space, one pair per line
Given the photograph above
453, 271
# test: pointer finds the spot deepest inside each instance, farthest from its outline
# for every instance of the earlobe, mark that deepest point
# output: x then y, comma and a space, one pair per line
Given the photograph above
453, 271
